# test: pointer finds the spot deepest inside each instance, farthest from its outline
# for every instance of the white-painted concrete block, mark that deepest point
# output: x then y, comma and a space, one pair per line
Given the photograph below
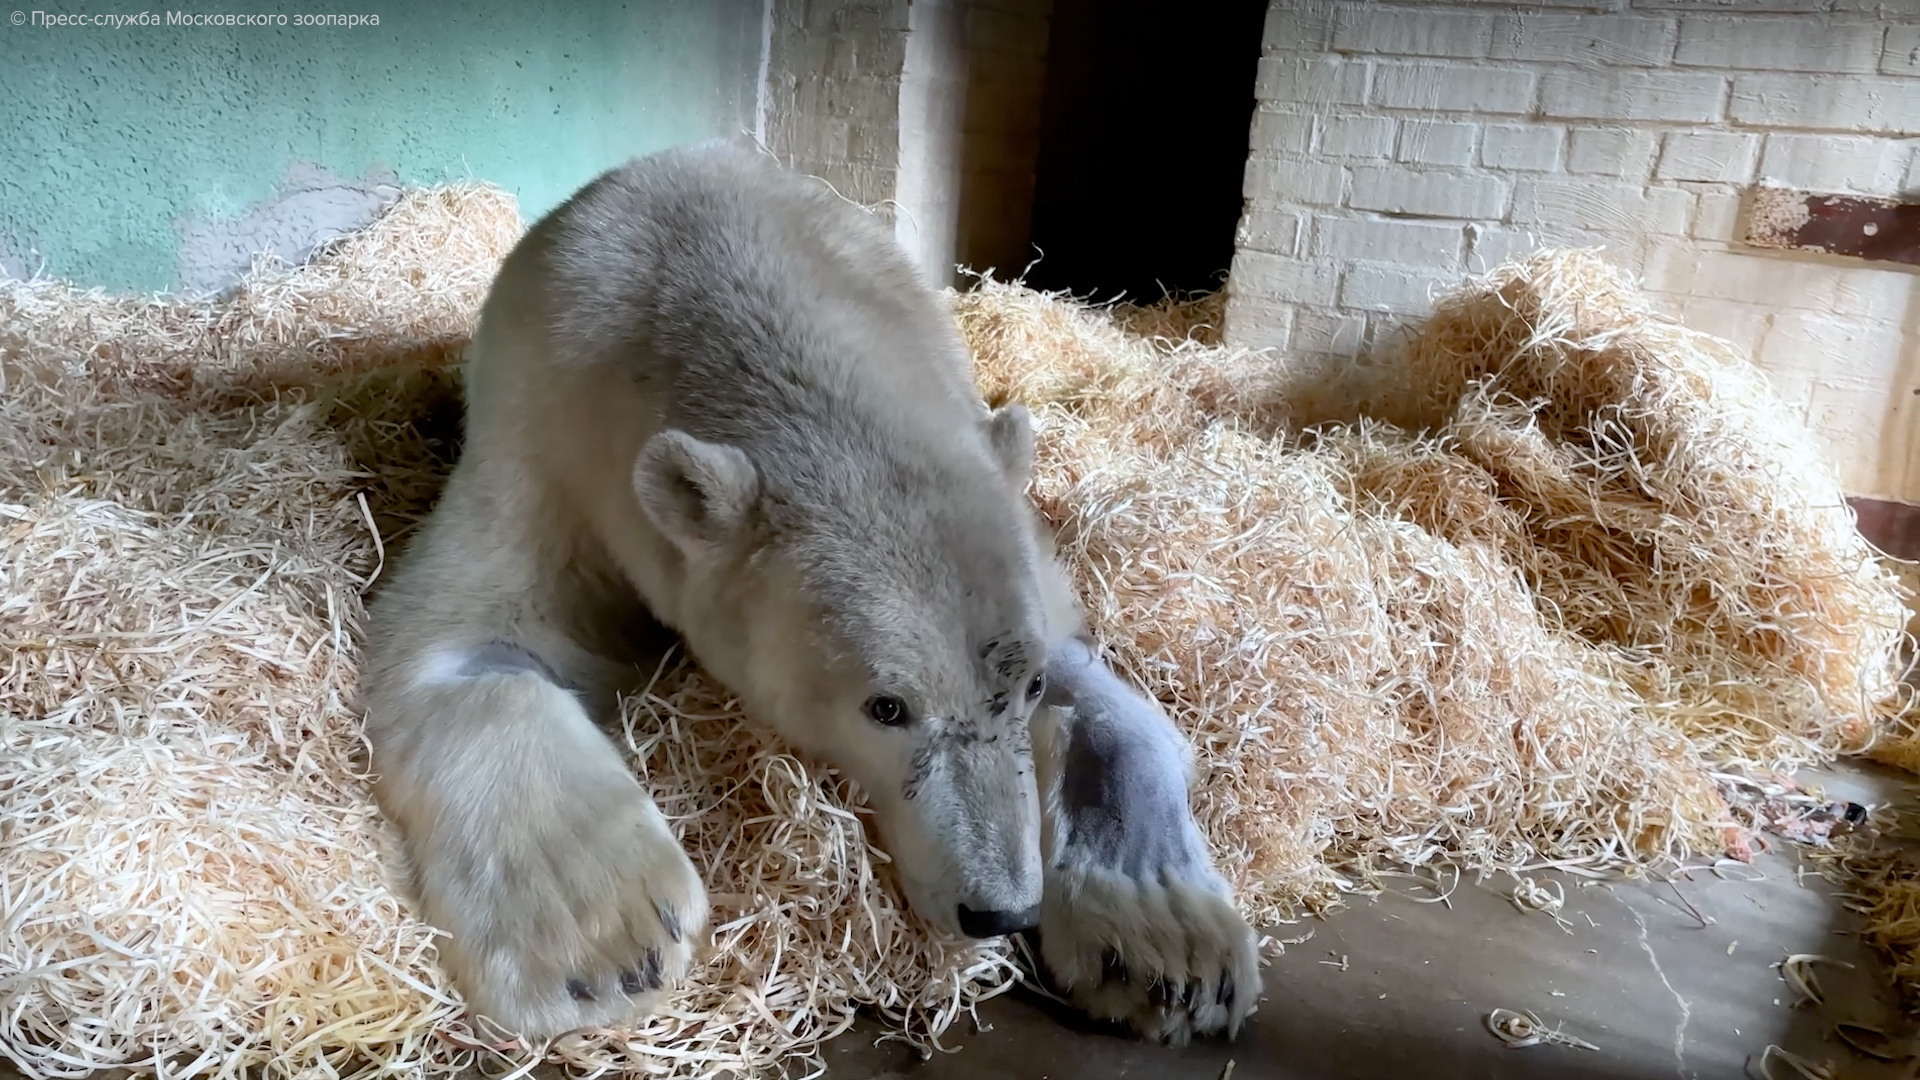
1298, 26
1356, 136
1337, 333
1429, 142
1598, 40
1491, 245
1832, 102
1414, 243
1712, 156
1603, 206
1835, 162
1281, 132
1836, 350
1611, 151
1737, 7
1780, 45
1289, 180
1901, 55
1276, 232
1258, 275
1716, 214
1744, 325
1365, 28
1429, 194
1258, 322
1453, 88
1522, 147
1676, 96
1392, 288
1299, 81
1746, 277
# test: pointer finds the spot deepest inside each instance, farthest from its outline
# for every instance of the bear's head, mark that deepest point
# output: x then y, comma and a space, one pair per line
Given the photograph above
872, 592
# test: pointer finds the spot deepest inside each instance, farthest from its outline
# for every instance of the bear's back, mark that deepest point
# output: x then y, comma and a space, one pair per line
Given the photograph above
746, 300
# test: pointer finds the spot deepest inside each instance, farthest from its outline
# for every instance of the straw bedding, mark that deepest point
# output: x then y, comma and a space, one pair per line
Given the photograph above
1571, 561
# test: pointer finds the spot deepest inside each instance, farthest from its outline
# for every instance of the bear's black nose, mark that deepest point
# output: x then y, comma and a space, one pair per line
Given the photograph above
986, 924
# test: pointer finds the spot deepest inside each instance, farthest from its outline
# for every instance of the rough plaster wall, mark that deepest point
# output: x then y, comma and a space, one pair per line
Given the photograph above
1397, 147
150, 157
970, 132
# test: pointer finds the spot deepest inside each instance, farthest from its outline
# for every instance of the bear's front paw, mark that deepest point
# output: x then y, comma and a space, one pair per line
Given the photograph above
1166, 953
1136, 926
575, 908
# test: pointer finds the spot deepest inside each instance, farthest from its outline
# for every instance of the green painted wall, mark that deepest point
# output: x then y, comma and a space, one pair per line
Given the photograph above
113, 141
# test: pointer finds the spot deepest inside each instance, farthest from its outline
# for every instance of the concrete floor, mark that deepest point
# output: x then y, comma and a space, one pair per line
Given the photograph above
1632, 971
1395, 988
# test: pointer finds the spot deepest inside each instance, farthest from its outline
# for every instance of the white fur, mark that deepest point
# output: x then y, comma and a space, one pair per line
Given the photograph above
1136, 925
706, 391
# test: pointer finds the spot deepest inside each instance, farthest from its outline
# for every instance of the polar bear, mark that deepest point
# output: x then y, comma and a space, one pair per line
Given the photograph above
704, 391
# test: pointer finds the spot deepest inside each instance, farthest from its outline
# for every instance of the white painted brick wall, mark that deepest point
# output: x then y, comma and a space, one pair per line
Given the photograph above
1281, 132
1453, 88
1773, 45
1261, 326
1835, 103
1304, 281
1633, 95
1799, 341
1835, 162
1902, 53
831, 99
1401, 289
1428, 194
1588, 39
1356, 136
1276, 232
1297, 81
1400, 145
1612, 151
1429, 142
1716, 213
1746, 7
1490, 245
1745, 325
1387, 240
1332, 333
1559, 204
1305, 26
1413, 33
1524, 148
1706, 155
1293, 181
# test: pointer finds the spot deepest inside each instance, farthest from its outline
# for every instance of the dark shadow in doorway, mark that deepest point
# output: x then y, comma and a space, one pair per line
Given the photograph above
1143, 144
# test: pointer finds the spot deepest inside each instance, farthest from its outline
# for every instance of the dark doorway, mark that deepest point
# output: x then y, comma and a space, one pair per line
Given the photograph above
1143, 142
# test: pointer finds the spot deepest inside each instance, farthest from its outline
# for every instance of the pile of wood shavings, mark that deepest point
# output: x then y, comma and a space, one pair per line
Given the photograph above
194, 876
1556, 561
194, 497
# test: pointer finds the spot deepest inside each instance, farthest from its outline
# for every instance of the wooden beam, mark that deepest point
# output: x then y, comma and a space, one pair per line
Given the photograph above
1893, 527
1858, 226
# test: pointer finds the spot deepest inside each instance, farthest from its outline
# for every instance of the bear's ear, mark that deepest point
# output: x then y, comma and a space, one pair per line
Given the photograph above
1010, 430
698, 493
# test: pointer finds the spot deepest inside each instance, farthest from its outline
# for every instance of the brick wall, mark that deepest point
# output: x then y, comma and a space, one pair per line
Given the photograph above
929, 110
1397, 147
830, 99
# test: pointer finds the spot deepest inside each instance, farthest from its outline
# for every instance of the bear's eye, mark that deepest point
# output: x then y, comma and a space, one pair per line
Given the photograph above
1038, 684
886, 709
